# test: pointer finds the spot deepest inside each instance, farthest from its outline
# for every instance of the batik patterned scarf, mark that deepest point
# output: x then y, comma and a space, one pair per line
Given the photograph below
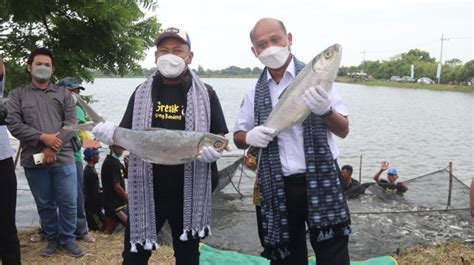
327, 211
197, 176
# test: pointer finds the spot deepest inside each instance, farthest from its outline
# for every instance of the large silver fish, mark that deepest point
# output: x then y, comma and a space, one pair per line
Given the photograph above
156, 145
167, 147
291, 109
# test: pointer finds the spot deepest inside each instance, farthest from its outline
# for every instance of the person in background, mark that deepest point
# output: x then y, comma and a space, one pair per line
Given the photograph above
125, 163
294, 181
113, 186
390, 183
351, 187
37, 113
93, 193
472, 197
173, 97
9, 243
73, 86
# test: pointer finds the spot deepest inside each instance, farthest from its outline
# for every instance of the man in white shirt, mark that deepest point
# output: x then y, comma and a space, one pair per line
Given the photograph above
294, 208
9, 244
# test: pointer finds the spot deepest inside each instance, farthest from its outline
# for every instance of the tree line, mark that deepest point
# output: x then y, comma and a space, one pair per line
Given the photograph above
109, 38
425, 66
231, 71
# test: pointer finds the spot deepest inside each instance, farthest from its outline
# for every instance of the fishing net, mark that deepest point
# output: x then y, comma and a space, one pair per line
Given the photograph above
432, 191
382, 223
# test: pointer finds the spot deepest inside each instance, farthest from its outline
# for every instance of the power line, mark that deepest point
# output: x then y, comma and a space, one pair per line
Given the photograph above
430, 42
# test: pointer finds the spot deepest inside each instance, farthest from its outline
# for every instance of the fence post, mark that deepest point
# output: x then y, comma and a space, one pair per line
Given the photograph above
360, 169
450, 169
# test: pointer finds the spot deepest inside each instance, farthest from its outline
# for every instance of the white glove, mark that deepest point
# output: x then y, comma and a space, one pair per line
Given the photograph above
259, 136
104, 132
317, 100
208, 155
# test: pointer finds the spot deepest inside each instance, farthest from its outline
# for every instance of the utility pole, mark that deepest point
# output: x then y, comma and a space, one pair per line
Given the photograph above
438, 71
363, 61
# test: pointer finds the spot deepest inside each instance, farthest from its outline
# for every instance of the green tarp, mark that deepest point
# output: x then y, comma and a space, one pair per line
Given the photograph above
212, 256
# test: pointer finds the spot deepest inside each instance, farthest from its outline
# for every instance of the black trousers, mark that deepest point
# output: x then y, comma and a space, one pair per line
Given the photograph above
185, 252
334, 251
9, 243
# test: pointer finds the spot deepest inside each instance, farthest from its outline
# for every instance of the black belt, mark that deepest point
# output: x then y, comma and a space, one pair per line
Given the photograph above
296, 178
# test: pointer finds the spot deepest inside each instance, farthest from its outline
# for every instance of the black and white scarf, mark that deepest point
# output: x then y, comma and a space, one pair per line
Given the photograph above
327, 211
197, 175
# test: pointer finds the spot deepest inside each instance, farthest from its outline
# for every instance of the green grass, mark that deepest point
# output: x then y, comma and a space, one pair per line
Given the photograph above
439, 87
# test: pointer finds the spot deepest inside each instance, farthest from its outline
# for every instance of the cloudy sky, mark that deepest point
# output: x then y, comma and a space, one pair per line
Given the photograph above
219, 29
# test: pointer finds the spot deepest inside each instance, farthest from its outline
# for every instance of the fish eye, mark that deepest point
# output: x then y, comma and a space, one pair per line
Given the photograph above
327, 54
218, 144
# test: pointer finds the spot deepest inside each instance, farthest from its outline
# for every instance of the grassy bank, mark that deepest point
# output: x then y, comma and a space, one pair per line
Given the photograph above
452, 253
107, 250
440, 87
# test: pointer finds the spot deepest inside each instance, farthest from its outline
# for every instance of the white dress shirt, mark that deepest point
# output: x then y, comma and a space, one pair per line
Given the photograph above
6, 151
290, 141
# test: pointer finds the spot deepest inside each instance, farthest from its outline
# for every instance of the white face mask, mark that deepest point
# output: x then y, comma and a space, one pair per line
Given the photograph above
170, 65
274, 57
41, 72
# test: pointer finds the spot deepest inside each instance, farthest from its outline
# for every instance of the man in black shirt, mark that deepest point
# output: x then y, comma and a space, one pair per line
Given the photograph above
113, 185
351, 188
390, 182
93, 201
173, 103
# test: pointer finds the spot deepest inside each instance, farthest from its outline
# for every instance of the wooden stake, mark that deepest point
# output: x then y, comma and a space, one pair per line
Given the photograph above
450, 169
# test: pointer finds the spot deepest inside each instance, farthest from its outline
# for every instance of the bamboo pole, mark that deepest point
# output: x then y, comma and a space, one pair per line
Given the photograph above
450, 169
360, 169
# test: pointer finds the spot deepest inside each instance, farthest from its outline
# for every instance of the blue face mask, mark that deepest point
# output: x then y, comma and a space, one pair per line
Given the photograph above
114, 155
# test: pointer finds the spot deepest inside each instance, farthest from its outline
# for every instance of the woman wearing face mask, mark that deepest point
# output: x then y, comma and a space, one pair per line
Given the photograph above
172, 98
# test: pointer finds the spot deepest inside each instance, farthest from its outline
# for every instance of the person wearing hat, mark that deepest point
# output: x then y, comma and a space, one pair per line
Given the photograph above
391, 182
73, 86
173, 97
92, 191
113, 184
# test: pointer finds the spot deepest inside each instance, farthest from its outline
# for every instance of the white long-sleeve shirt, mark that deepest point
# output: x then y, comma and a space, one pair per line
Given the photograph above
290, 141
6, 151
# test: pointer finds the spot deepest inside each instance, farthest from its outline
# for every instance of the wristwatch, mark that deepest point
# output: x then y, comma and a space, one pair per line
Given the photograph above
327, 113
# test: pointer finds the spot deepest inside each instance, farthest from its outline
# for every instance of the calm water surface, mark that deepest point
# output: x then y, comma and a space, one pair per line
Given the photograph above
417, 131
